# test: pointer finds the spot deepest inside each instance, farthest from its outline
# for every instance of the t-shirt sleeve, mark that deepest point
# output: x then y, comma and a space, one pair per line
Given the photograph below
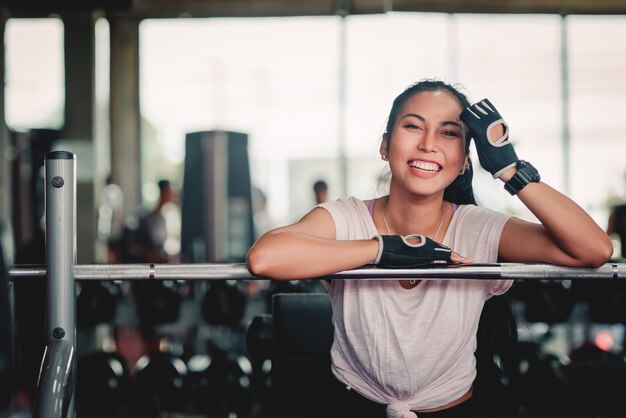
352, 221
336, 209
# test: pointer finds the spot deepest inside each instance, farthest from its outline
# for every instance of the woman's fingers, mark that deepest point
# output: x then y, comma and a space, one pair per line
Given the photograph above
456, 258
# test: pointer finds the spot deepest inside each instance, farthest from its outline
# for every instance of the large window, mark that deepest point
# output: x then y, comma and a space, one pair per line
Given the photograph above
278, 80
274, 79
597, 64
34, 73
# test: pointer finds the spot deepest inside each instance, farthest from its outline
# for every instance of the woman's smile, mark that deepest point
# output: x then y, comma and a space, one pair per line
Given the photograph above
424, 169
422, 165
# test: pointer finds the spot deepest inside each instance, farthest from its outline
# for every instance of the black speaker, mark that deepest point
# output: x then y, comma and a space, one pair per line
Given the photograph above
217, 218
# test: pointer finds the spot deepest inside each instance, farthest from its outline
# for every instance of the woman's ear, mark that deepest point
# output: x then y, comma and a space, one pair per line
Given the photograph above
465, 166
384, 147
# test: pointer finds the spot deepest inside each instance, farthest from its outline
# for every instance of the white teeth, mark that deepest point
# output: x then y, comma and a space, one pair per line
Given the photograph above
426, 166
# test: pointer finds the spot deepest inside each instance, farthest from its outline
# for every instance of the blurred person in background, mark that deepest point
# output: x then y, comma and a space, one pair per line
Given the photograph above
154, 237
320, 189
111, 219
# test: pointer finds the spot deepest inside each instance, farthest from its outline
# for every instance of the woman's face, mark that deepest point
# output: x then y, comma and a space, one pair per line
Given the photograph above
426, 149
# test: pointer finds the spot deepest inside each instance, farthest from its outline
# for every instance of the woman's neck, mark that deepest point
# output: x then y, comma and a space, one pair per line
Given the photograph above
414, 214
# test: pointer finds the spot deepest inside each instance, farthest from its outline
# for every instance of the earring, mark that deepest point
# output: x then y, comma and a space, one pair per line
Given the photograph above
464, 169
383, 157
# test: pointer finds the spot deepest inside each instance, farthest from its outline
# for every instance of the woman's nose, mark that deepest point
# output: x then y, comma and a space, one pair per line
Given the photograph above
427, 142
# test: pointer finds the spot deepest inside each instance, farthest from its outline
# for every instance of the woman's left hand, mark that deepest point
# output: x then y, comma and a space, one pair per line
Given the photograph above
491, 133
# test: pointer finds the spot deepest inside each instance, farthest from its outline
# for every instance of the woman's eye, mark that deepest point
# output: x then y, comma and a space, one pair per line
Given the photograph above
412, 126
451, 133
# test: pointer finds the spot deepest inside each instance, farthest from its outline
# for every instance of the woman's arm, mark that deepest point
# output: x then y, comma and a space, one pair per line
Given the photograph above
307, 249
566, 236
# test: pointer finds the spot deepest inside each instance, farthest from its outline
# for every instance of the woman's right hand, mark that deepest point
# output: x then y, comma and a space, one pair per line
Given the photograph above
457, 258
414, 251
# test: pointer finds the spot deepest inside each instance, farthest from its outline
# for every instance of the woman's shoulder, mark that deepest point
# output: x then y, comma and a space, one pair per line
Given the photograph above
480, 212
344, 203
479, 220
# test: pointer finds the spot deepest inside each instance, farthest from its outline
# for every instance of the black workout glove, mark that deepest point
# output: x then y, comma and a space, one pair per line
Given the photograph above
495, 156
397, 252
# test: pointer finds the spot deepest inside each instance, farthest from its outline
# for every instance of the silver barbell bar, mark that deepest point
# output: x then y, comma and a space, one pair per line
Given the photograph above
238, 271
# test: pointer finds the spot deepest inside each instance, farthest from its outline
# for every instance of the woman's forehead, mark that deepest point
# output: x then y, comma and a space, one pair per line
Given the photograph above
433, 103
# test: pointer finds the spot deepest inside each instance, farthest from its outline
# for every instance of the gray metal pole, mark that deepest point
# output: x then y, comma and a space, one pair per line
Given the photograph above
55, 386
60, 197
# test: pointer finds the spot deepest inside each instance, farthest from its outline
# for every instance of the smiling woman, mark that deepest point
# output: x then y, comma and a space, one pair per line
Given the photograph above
379, 360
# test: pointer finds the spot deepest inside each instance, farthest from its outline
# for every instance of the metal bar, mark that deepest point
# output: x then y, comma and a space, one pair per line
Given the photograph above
238, 271
25, 271
60, 198
55, 385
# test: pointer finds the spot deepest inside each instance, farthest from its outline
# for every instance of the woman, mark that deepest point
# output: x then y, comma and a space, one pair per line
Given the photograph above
408, 346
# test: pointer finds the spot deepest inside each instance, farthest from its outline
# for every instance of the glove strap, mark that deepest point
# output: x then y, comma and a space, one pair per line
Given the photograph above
379, 238
499, 172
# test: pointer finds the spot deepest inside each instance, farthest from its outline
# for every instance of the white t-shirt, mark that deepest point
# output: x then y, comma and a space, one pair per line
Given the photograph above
412, 349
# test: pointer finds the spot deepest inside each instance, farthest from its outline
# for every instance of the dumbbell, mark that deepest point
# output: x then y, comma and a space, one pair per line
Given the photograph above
223, 385
159, 386
96, 304
224, 303
103, 385
259, 347
158, 302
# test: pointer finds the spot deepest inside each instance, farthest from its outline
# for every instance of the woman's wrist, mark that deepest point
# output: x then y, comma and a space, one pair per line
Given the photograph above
508, 174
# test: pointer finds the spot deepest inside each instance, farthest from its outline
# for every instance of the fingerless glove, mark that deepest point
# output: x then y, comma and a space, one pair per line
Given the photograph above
495, 156
395, 251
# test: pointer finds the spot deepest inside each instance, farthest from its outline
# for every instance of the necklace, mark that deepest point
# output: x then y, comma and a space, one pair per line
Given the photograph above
413, 281
436, 232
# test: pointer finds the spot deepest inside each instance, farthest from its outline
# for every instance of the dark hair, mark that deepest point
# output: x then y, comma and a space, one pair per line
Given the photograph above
163, 185
460, 191
320, 185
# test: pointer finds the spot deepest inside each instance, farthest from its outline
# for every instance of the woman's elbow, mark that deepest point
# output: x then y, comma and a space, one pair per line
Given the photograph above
256, 261
262, 262
605, 252
598, 255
